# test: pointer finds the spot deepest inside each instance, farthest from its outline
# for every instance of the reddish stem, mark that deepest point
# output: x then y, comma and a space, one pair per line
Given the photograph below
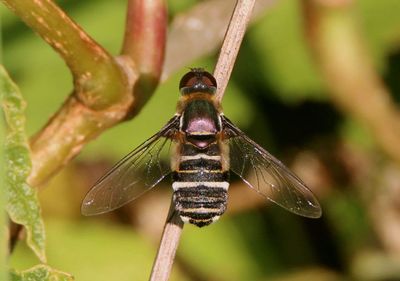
144, 42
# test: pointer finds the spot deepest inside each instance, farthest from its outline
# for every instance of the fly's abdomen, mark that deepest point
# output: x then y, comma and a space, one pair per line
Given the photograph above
200, 185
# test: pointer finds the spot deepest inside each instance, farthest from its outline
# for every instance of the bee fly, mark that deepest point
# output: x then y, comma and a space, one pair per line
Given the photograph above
204, 146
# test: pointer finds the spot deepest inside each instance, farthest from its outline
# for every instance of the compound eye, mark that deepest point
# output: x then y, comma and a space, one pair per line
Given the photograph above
188, 80
209, 79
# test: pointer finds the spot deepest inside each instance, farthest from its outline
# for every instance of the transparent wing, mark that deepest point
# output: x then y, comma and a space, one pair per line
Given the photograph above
136, 173
267, 175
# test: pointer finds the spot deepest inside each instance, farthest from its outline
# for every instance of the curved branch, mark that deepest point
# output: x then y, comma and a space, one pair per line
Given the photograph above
144, 44
107, 90
67, 132
98, 80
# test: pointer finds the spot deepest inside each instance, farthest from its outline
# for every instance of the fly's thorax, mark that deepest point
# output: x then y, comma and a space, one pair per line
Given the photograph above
187, 99
200, 123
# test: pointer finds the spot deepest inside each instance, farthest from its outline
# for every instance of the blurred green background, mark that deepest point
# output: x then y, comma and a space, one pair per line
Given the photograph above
277, 96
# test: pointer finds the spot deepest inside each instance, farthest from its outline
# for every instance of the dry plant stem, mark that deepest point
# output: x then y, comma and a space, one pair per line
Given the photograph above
384, 207
230, 47
169, 243
355, 86
98, 80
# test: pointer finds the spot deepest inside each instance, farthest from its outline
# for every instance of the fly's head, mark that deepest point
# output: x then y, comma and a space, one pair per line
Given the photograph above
197, 84
197, 81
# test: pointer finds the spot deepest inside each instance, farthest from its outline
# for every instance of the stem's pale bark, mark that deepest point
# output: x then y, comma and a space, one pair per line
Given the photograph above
172, 231
230, 47
169, 244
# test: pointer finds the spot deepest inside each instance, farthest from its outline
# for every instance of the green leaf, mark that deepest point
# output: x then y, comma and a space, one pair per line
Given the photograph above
3, 221
40, 273
22, 203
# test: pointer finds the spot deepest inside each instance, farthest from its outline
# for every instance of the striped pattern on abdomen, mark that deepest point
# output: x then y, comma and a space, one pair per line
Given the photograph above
200, 185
